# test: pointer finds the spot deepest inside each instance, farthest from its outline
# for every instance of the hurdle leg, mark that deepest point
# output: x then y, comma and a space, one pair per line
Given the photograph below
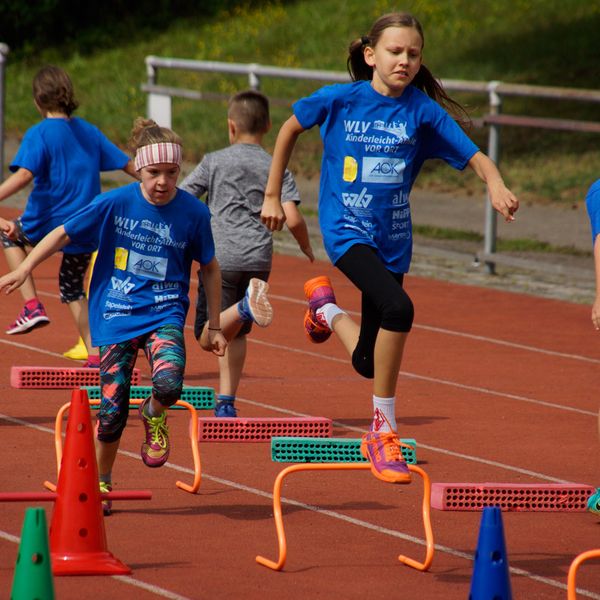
277, 513
571, 587
426, 506
193, 434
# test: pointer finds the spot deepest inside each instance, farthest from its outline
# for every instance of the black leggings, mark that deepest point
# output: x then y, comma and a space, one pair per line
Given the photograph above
385, 304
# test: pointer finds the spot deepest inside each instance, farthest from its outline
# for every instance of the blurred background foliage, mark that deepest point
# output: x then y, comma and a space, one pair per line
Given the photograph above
103, 46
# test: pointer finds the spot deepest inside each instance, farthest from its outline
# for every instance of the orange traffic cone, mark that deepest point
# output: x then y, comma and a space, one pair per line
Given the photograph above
77, 536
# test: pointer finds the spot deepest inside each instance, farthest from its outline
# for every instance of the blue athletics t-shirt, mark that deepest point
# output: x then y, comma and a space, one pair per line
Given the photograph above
592, 201
145, 252
65, 157
373, 149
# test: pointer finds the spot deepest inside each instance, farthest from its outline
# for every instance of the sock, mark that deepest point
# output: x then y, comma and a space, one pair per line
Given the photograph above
244, 310
384, 408
225, 398
149, 411
31, 304
93, 360
329, 311
106, 477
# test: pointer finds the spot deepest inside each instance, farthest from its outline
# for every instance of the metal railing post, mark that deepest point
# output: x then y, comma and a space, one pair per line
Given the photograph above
491, 217
253, 78
158, 106
4, 50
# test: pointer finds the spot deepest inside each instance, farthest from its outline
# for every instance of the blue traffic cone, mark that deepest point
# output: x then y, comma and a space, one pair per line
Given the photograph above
33, 571
491, 579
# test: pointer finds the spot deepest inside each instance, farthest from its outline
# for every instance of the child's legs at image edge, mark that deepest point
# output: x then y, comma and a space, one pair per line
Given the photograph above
116, 368
15, 252
71, 277
165, 351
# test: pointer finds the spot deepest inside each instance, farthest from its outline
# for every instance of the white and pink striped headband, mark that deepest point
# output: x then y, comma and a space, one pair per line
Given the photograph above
154, 154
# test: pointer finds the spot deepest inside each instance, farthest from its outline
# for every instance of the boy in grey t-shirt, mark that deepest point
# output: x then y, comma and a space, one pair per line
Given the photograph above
234, 181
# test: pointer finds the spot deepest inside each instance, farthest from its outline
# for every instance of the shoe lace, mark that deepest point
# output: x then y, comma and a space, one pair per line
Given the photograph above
105, 488
159, 431
392, 447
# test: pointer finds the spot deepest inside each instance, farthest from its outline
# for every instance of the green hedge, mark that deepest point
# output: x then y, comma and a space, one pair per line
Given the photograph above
28, 27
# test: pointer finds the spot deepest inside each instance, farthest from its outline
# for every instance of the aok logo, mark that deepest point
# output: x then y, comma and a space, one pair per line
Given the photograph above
382, 170
151, 267
361, 200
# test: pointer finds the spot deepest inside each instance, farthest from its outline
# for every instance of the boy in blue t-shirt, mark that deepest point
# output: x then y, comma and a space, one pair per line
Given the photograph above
63, 156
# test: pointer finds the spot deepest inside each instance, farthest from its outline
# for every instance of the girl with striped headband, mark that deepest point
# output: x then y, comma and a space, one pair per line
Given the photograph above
148, 233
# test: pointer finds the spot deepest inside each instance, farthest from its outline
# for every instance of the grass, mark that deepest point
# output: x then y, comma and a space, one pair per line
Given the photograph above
544, 42
502, 245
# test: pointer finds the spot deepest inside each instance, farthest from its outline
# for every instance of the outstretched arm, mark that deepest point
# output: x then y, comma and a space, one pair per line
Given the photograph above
297, 225
596, 305
129, 168
15, 183
502, 199
272, 214
52, 243
211, 278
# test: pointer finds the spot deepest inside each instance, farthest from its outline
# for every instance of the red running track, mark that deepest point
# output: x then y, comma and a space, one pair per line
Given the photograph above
495, 387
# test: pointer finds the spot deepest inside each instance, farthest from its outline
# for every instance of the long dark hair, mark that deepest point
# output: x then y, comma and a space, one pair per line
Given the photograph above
424, 80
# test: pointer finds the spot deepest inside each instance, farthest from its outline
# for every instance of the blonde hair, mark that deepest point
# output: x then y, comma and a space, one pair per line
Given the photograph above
147, 131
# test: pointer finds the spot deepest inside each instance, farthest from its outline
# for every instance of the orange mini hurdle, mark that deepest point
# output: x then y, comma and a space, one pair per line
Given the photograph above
193, 434
278, 566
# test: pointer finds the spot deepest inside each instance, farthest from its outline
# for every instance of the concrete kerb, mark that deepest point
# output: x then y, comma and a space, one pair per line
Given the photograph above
561, 276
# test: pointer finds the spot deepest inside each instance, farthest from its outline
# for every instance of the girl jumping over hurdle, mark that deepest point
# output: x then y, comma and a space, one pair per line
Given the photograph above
377, 132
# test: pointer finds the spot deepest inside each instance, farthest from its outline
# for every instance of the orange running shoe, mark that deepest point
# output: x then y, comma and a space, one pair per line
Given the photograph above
318, 292
383, 451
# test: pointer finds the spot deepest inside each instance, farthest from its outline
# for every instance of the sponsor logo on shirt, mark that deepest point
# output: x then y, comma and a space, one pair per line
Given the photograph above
361, 200
350, 169
165, 285
151, 267
121, 258
165, 298
162, 230
382, 170
123, 286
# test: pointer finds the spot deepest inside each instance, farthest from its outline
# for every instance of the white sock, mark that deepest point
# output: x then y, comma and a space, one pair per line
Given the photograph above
384, 408
329, 311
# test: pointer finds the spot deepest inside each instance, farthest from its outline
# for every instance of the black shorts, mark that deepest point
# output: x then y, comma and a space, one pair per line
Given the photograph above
233, 287
72, 270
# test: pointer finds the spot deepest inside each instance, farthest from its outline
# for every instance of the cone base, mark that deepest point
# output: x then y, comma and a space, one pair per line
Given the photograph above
88, 563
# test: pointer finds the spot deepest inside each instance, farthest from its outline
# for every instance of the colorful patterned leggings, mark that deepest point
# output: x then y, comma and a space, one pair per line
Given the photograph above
165, 351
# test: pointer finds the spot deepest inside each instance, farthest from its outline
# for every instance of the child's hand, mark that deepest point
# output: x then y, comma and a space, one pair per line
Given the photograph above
12, 281
596, 314
272, 214
504, 201
9, 228
217, 342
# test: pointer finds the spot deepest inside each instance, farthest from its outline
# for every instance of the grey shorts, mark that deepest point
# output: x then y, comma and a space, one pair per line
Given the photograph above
233, 288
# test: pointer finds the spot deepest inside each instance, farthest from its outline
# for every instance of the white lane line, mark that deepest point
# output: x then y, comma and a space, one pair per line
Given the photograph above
442, 330
479, 338
313, 508
436, 380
